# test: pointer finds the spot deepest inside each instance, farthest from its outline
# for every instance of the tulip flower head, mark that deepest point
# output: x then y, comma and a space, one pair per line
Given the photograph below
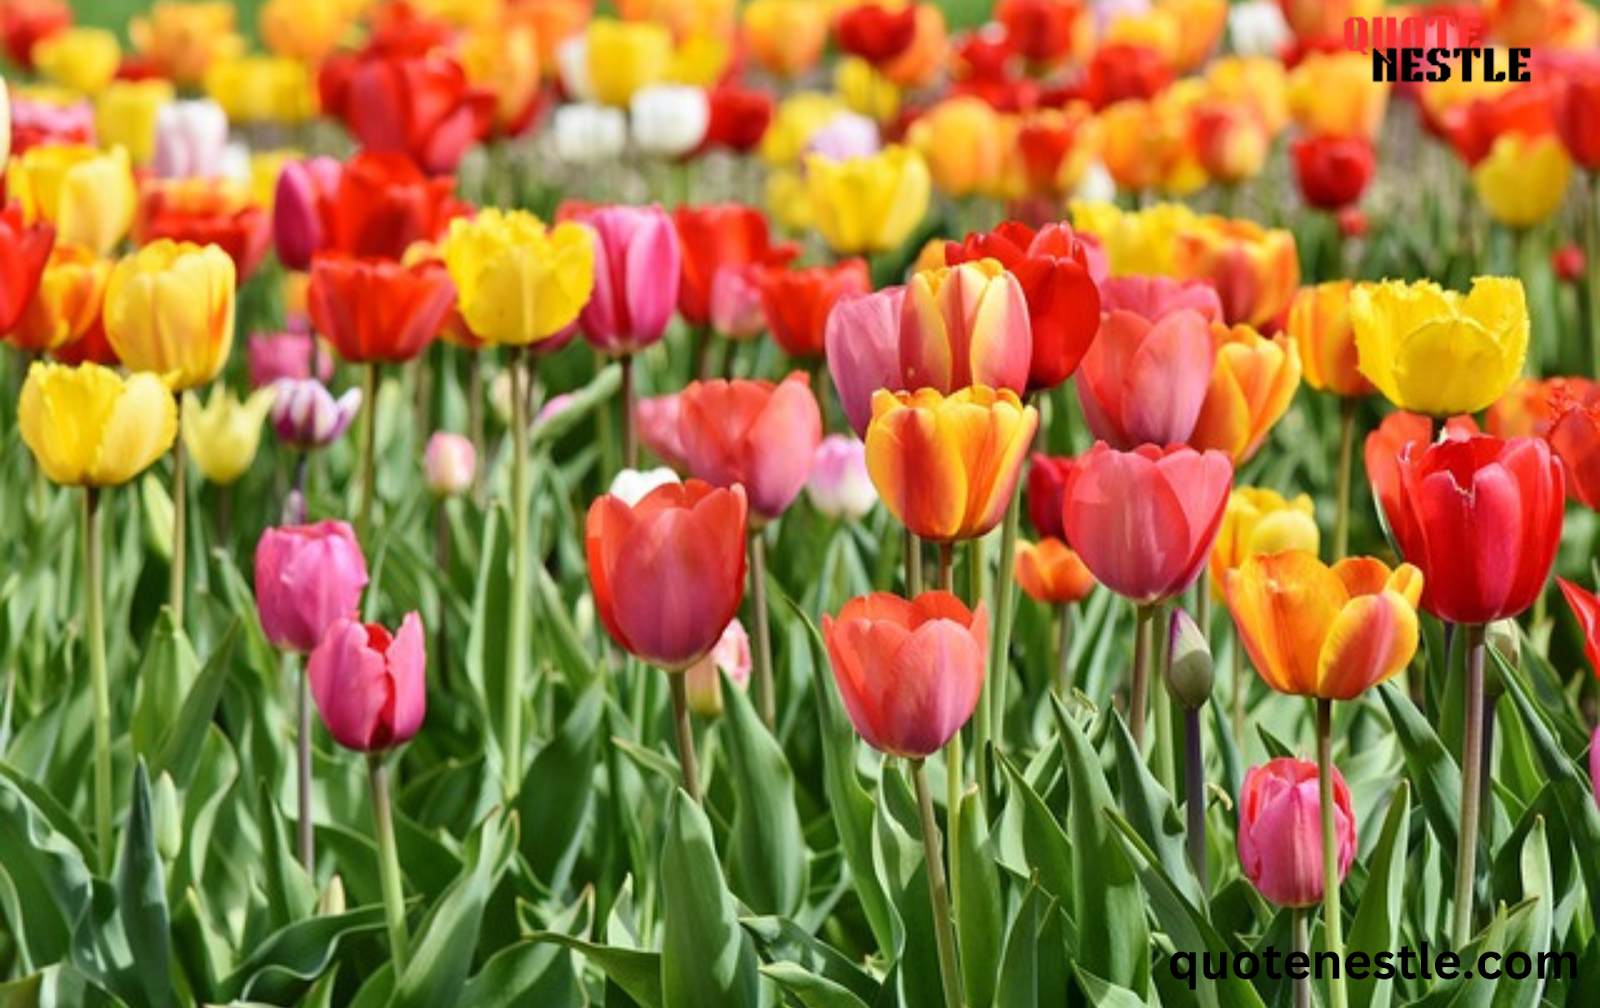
862, 339
89, 426
375, 310
965, 325
631, 485
868, 204
839, 486
370, 685
86, 194
586, 133
752, 432
1319, 323
190, 137
1051, 572
1260, 521
291, 355
668, 573
1280, 830
1252, 384
798, 303
1047, 488
636, 269
909, 671
519, 283
1524, 179
169, 310
1145, 382
223, 434
669, 120
448, 464
1333, 171
731, 658
305, 414
25, 255
1585, 607
1256, 270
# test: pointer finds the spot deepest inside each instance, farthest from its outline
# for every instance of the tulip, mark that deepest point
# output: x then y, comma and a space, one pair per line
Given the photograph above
755, 433
1136, 242
190, 136
125, 116
504, 59
839, 485
946, 467
1575, 438
1333, 94
87, 195
1319, 324
1481, 518
304, 30
876, 32
623, 57
959, 140
669, 120
223, 434
1252, 384
740, 118
263, 90
25, 23
373, 310
181, 38
862, 338
1531, 407
297, 217
909, 671
307, 578
736, 311
205, 211
1050, 572
1256, 271
1153, 298
587, 133
1146, 383
1524, 180
448, 464
369, 684
1438, 352
965, 325
844, 136
1333, 171
306, 416
1577, 111
1044, 31
1278, 831
169, 309
1381, 454
1260, 521
631, 485
669, 603
1230, 139
289, 355
420, 105
517, 282
715, 238
119, 425
1325, 632
636, 275
382, 204
66, 302
79, 59
797, 304
25, 255
39, 122
1054, 271
1256, 28
868, 204
1047, 487
1586, 608
785, 37
703, 679
1055, 148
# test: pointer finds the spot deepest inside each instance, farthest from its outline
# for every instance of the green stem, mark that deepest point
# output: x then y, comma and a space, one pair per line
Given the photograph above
1194, 779
1302, 945
1471, 789
766, 693
1347, 441
1202, 601
475, 427
95, 620
369, 451
977, 571
1332, 917
1005, 594
913, 565
938, 892
1064, 651
517, 643
630, 437
1139, 692
308, 850
180, 520
947, 568
1161, 702
1236, 698
394, 901
687, 763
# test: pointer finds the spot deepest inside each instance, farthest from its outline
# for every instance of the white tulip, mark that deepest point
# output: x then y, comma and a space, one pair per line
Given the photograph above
572, 65
669, 120
587, 134
1257, 28
630, 485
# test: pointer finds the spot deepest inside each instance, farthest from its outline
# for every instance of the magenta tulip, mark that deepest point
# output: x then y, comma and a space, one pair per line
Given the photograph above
370, 685
297, 218
637, 266
307, 576
1280, 830
863, 345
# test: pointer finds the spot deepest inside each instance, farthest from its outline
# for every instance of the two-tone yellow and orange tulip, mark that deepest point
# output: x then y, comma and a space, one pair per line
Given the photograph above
1258, 521
786, 36
1325, 632
965, 325
1252, 383
947, 466
67, 302
960, 139
169, 311
86, 194
181, 38
1319, 324
1256, 270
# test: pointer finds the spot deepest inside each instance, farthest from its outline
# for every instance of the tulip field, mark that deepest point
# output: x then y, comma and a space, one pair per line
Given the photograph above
816, 503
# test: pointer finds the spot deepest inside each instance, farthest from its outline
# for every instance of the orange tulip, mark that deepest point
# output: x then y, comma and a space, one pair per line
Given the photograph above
1325, 632
1051, 572
1252, 383
1319, 324
1229, 139
1333, 94
1255, 270
946, 467
67, 302
183, 39
959, 138
1259, 521
786, 36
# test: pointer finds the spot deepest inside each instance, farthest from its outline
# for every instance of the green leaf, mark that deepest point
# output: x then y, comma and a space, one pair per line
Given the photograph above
1104, 994
1530, 934
1029, 832
558, 792
783, 941
980, 912
527, 973
1033, 969
166, 676
706, 957
811, 990
44, 883
179, 749
283, 967
1379, 913
1432, 770
638, 973
491, 618
766, 845
1149, 809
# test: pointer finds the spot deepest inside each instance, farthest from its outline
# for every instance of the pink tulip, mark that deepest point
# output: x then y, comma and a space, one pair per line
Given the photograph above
863, 346
657, 421
275, 356
1280, 830
637, 266
736, 311
730, 657
449, 464
307, 576
1144, 521
190, 138
370, 685
757, 433
1144, 382
297, 217
839, 486
1155, 297
965, 325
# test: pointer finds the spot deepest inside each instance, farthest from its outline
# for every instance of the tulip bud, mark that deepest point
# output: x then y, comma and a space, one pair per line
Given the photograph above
1280, 830
306, 416
306, 578
449, 464
1189, 670
168, 815
731, 655
1501, 636
368, 683
630, 485
223, 434
839, 486
669, 120
332, 902
1568, 262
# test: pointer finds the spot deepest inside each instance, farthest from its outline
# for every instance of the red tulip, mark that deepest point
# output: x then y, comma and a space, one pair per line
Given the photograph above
1586, 607
1577, 112
1122, 70
1333, 171
1144, 521
668, 572
797, 302
24, 23
1144, 382
204, 211
1568, 263
1043, 31
383, 203
1280, 830
862, 336
377, 310
422, 106
1047, 493
1381, 453
370, 686
1063, 300
909, 672
307, 577
1575, 438
739, 118
755, 433
876, 32
1481, 518
24, 252
714, 238
1472, 127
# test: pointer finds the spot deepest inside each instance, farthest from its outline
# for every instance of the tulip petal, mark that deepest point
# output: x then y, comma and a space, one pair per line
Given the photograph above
1371, 640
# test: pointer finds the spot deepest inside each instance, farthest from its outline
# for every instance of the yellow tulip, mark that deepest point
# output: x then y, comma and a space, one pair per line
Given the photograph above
223, 434
787, 200
1258, 521
88, 426
80, 59
125, 116
798, 119
263, 89
866, 91
504, 59
1440, 352
1524, 179
306, 30
702, 61
169, 311
87, 195
960, 141
1258, 82
1136, 241
684, 18
869, 204
626, 56
517, 282
1333, 94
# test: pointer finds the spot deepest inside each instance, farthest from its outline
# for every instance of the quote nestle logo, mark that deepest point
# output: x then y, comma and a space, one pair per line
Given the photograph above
1432, 48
